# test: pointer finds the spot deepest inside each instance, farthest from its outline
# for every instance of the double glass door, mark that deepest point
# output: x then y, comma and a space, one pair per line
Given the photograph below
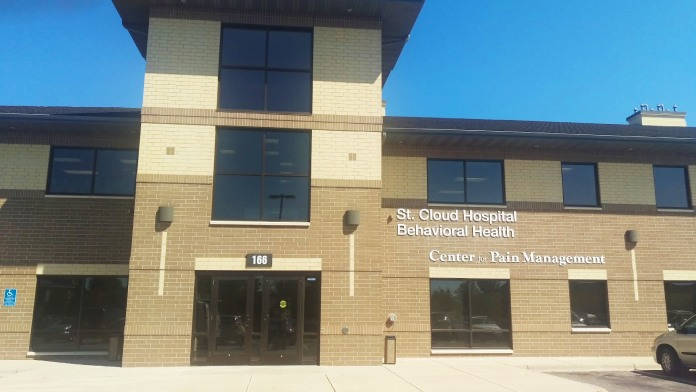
256, 319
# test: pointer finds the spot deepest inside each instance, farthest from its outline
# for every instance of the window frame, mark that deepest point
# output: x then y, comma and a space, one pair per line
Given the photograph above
671, 288
598, 200
471, 331
78, 319
464, 173
589, 327
266, 68
95, 157
687, 187
260, 220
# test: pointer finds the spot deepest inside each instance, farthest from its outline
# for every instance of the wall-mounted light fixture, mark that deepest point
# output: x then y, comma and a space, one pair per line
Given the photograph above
165, 214
631, 236
352, 218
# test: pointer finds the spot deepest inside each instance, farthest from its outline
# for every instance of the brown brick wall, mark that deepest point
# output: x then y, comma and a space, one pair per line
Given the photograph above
64, 230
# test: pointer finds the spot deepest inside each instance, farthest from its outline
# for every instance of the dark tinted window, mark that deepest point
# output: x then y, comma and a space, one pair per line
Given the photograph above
84, 171
115, 173
243, 47
235, 81
266, 70
72, 171
671, 187
470, 313
589, 304
78, 313
261, 175
580, 184
290, 49
474, 182
680, 298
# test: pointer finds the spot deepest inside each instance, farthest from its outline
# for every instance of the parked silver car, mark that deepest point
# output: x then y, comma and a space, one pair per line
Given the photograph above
675, 350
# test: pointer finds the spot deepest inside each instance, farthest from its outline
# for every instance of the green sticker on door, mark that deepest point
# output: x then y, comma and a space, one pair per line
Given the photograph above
283, 304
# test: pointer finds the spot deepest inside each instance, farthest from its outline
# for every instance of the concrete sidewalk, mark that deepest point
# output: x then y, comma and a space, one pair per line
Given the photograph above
409, 374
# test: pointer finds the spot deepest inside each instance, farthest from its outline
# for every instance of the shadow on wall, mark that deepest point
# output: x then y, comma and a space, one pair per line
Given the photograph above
63, 230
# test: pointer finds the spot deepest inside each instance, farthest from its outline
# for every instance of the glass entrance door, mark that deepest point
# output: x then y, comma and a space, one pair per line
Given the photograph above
280, 312
256, 319
231, 316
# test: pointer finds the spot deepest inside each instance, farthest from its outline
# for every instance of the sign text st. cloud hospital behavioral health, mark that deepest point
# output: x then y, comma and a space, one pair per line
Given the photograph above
472, 224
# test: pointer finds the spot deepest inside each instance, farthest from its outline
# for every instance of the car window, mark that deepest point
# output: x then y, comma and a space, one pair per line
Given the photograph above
689, 326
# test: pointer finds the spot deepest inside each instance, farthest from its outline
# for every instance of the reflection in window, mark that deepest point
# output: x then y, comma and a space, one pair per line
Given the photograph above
261, 175
465, 182
470, 313
266, 69
580, 184
589, 304
680, 298
671, 187
78, 313
84, 171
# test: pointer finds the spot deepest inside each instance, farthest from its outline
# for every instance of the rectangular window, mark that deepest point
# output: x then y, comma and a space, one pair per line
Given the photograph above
580, 186
589, 304
465, 182
261, 175
680, 298
671, 187
78, 313
266, 69
88, 171
470, 313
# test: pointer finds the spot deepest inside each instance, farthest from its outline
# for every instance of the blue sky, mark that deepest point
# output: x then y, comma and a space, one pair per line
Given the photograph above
570, 60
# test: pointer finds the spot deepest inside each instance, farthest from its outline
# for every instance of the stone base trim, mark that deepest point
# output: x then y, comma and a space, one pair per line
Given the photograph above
82, 269
239, 264
589, 274
469, 273
676, 275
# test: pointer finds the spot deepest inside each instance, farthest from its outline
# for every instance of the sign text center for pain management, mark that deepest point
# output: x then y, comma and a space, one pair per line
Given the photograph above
483, 224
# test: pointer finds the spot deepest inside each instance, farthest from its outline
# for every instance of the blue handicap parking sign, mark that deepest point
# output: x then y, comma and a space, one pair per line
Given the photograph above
10, 297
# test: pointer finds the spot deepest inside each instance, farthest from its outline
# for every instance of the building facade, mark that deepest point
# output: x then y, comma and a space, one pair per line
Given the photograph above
276, 216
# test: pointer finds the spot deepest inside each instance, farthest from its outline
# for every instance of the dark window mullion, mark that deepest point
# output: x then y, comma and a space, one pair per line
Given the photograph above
471, 327
94, 169
78, 332
263, 163
265, 94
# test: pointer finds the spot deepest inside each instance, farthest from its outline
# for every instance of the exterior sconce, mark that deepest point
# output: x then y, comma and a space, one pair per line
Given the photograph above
631, 236
352, 218
165, 214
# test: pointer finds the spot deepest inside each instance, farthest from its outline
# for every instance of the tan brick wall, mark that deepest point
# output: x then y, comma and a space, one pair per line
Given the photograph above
539, 293
190, 237
24, 166
346, 155
533, 181
193, 149
405, 177
626, 183
182, 64
15, 328
347, 71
